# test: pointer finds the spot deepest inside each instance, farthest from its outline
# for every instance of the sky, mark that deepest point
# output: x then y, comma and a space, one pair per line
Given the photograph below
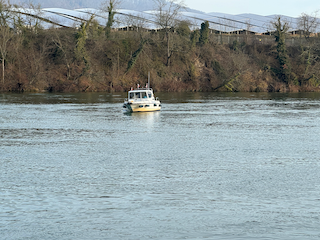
292, 8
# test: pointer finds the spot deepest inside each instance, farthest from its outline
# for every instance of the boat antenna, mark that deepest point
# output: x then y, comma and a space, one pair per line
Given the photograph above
149, 80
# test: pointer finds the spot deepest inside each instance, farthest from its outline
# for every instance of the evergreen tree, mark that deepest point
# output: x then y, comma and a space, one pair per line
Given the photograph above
282, 56
204, 33
81, 38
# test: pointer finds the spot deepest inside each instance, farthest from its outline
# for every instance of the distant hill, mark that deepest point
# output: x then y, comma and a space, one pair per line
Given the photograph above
140, 5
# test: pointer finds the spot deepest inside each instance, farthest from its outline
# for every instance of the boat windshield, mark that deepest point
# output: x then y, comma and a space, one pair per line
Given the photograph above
135, 95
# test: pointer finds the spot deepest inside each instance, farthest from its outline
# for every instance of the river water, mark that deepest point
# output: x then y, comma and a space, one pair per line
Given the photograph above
208, 166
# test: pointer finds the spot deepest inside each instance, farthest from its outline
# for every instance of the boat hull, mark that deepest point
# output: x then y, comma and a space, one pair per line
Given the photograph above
142, 107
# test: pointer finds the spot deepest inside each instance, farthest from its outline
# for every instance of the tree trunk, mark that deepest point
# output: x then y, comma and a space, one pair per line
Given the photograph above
168, 50
2, 60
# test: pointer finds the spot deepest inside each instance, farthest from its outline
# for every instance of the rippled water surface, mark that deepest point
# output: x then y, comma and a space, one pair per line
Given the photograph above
208, 166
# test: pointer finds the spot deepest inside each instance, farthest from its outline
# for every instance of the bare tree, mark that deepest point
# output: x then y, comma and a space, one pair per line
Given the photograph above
33, 15
308, 23
136, 22
248, 25
167, 18
6, 34
60, 45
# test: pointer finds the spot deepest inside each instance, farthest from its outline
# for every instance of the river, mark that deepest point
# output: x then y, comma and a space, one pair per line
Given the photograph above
207, 166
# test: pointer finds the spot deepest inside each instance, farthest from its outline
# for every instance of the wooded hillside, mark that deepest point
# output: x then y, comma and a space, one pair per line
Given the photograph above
88, 59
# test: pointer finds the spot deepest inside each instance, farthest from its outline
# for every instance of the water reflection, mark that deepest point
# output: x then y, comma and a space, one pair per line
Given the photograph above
145, 119
165, 97
59, 98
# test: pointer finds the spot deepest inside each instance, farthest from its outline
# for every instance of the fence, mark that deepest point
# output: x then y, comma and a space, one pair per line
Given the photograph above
260, 39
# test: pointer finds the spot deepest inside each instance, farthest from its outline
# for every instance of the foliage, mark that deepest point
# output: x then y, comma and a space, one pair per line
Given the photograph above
109, 6
282, 56
194, 37
183, 29
81, 38
135, 56
204, 33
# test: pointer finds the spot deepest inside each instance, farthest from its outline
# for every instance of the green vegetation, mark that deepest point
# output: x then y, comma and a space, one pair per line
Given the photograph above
95, 58
109, 7
204, 33
282, 56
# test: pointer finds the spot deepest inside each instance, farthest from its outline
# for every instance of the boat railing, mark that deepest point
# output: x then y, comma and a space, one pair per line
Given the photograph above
142, 89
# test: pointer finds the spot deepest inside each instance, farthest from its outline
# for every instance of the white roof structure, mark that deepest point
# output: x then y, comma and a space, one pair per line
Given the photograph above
221, 22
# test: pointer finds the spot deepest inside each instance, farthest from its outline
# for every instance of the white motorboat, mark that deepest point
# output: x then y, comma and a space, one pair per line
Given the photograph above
141, 100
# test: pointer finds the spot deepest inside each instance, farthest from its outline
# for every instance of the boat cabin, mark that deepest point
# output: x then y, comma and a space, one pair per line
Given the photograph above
140, 94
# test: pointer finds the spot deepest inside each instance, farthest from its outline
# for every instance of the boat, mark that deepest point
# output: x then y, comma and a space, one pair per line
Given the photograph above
141, 100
